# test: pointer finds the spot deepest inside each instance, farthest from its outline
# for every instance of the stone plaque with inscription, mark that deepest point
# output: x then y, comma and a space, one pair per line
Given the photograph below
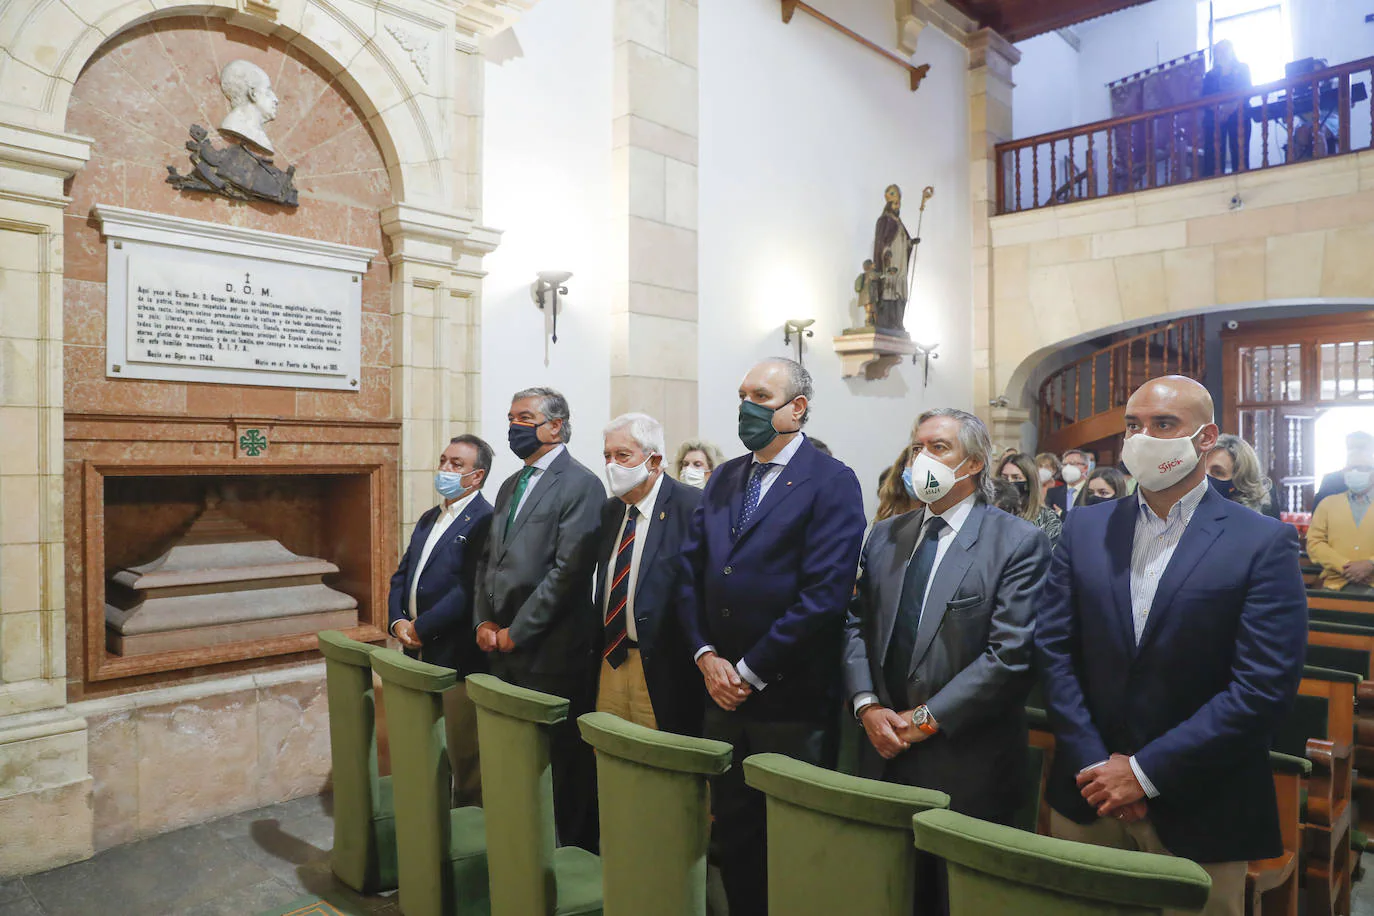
203, 302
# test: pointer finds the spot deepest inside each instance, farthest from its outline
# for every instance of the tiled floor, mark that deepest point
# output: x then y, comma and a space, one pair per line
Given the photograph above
237, 866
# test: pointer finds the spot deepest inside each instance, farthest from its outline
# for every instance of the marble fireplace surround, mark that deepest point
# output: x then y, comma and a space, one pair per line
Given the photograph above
357, 460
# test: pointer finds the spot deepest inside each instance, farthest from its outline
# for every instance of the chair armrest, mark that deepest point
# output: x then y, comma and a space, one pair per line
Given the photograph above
867, 801
1328, 792
660, 750
1287, 763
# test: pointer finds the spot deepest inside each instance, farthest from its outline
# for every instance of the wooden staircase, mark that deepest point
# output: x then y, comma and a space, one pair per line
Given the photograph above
1083, 404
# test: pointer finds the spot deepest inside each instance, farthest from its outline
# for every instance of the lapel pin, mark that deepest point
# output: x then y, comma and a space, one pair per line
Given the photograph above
662, 516
789, 483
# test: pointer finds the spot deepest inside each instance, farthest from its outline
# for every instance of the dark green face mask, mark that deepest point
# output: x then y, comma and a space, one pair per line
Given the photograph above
756, 425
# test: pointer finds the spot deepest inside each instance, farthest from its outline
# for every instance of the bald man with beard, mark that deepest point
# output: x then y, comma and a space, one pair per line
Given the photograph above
1170, 639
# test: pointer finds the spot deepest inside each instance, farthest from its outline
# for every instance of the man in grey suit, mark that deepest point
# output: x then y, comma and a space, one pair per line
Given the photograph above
939, 633
534, 613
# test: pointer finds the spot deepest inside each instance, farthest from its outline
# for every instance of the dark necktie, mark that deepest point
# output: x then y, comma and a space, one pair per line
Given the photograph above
903, 642
618, 601
520, 486
753, 492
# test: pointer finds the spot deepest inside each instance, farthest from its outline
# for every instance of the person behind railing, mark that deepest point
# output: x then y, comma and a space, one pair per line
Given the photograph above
1227, 75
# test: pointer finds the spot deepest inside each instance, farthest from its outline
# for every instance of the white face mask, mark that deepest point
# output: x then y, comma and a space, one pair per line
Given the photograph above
1046, 475
1071, 474
622, 479
932, 479
1158, 464
1357, 481
693, 476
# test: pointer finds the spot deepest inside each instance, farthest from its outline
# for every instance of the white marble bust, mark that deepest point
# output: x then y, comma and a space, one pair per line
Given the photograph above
253, 103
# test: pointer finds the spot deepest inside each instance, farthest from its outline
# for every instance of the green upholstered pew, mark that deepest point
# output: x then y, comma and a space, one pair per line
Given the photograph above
652, 790
1271, 885
837, 843
529, 877
364, 854
997, 869
441, 851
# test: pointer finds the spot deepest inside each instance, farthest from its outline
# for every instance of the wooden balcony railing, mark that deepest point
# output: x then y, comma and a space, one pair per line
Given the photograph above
1323, 113
1100, 383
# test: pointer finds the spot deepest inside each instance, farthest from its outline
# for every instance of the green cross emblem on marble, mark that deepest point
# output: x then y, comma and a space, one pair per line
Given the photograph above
253, 443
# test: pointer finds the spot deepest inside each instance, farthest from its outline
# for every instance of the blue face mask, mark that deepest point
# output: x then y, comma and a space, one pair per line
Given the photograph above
450, 483
906, 482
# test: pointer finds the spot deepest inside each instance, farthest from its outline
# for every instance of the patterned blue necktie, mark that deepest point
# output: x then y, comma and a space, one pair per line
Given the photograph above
753, 491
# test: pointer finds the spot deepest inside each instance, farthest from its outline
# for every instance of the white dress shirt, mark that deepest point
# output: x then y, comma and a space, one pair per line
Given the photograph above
954, 518
646, 515
540, 467
1155, 541
447, 516
779, 461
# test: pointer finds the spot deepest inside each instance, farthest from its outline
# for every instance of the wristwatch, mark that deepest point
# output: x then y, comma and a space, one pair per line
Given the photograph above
924, 721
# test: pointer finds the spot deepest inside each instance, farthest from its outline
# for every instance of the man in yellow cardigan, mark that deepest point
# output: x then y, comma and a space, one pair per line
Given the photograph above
1341, 536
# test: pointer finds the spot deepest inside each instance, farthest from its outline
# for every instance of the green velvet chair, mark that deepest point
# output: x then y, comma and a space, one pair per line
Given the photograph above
529, 877
364, 854
997, 869
655, 815
441, 851
837, 843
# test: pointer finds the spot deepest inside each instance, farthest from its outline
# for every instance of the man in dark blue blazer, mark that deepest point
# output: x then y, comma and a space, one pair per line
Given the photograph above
647, 676
431, 599
1171, 639
771, 559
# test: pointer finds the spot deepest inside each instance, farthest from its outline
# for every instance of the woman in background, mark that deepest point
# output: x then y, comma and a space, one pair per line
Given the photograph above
696, 459
1104, 485
1021, 472
1233, 470
893, 498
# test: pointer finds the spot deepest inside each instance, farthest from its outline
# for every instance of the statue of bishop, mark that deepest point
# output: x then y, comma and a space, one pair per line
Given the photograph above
892, 250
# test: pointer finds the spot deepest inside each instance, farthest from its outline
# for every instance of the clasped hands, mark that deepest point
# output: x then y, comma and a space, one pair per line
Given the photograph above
890, 732
404, 630
491, 638
723, 682
1112, 789
1361, 572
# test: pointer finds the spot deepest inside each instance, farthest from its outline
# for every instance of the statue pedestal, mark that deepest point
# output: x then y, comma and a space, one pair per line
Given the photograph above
871, 354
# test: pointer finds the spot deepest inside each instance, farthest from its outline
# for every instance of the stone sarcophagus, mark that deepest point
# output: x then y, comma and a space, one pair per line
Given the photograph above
221, 582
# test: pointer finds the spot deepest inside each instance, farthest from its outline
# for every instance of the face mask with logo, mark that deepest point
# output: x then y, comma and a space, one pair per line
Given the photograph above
693, 476
756, 428
450, 483
622, 480
1223, 487
1357, 481
1071, 474
1158, 464
524, 438
1045, 475
929, 480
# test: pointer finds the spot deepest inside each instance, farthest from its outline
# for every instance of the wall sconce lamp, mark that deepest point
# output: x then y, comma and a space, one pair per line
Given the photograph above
549, 287
925, 353
799, 328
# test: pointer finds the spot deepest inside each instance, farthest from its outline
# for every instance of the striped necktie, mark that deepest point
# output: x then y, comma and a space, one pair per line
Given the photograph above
618, 603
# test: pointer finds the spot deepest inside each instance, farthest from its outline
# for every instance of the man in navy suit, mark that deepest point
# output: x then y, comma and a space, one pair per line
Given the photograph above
1170, 639
431, 599
647, 676
771, 558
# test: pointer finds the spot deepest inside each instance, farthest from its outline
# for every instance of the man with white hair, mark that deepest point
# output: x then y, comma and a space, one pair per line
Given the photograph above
647, 676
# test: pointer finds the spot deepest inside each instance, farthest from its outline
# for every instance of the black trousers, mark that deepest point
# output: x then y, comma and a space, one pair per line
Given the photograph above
571, 760
740, 835
1231, 143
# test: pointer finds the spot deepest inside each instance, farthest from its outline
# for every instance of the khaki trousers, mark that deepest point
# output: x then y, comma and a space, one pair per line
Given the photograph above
1228, 878
460, 724
624, 692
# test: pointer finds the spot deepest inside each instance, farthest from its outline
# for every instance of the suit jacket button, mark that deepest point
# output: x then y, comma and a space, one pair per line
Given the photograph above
729, 569
725, 612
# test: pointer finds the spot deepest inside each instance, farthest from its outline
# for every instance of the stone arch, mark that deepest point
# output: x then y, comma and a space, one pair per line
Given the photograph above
47, 44
1018, 394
